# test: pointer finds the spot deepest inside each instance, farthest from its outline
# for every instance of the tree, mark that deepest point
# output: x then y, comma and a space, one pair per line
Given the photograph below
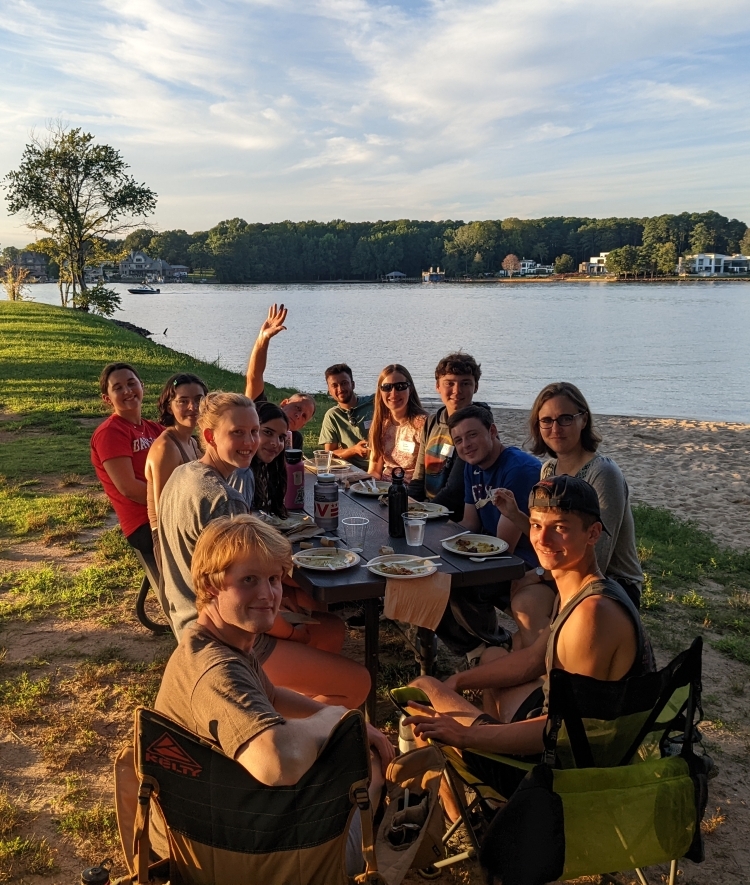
745, 243
77, 193
99, 300
701, 238
564, 263
511, 264
14, 281
666, 258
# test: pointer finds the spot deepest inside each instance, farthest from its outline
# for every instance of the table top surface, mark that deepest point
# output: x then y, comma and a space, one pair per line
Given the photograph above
359, 582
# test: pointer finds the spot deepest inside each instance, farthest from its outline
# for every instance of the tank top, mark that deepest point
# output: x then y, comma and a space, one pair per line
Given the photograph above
187, 454
643, 662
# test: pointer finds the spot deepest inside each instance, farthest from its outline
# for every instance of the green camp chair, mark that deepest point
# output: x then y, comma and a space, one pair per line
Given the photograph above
223, 826
641, 731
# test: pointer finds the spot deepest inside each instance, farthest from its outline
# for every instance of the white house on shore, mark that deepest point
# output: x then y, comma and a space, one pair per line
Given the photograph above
433, 276
595, 266
138, 266
531, 268
711, 264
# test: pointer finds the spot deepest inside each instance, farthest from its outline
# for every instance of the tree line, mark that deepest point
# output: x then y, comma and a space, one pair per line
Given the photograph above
88, 210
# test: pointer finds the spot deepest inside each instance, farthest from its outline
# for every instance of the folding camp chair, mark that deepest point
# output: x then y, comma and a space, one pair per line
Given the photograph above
640, 724
151, 582
223, 826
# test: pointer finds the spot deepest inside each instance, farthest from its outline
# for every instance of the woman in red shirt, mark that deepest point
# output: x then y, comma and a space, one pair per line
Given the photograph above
119, 448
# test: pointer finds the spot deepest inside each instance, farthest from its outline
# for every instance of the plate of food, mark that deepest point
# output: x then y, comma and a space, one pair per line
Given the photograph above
431, 511
370, 487
325, 559
401, 565
475, 545
292, 522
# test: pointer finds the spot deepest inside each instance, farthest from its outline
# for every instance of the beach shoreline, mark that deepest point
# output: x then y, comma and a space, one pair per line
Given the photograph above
698, 470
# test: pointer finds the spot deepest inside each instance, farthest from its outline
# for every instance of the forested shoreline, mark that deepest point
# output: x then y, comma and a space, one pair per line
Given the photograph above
236, 251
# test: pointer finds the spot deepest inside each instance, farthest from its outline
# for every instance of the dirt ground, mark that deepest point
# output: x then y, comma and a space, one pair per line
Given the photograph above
86, 676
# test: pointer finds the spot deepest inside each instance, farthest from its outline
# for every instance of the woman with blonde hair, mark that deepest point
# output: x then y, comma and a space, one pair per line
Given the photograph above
199, 492
397, 424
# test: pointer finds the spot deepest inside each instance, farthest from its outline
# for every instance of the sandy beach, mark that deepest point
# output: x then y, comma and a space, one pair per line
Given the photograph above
700, 470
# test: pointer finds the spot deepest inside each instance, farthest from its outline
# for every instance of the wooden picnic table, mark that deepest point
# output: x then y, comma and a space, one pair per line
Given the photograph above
360, 584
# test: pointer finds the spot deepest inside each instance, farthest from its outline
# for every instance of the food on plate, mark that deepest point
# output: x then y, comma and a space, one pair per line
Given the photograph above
327, 542
475, 546
395, 568
306, 545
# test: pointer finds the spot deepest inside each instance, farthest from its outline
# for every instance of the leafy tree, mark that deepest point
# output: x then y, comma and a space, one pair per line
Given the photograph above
172, 246
99, 300
511, 264
139, 241
745, 243
564, 264
701, 238
77, 193
623, 261
666, 258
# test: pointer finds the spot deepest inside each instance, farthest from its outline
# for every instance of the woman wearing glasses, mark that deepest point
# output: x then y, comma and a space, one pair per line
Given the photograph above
561, 426
397, 424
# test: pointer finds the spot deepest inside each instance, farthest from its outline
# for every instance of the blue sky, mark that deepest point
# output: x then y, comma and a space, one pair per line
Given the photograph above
269, 109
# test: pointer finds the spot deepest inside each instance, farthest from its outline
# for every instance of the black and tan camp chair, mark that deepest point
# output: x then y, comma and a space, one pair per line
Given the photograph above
151, 581
225, 827
619, 786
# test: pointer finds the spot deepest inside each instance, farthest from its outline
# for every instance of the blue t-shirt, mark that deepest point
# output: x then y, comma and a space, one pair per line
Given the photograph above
515, 470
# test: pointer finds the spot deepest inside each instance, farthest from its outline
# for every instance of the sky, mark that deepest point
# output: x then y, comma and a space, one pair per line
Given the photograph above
429, 109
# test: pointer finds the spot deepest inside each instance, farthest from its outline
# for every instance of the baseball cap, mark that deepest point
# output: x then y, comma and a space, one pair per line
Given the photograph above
567, 493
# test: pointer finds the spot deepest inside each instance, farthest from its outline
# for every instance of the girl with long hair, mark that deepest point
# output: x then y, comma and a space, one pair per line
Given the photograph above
397, 424
269, 465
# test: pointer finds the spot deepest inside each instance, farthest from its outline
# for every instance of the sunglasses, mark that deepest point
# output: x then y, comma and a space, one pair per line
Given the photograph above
397, 385
562, 420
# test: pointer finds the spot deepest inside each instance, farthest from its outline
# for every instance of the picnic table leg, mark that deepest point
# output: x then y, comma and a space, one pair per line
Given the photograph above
427, 644
372, 625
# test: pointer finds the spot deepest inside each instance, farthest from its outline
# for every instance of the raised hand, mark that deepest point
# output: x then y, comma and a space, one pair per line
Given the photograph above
274, 322
505, 501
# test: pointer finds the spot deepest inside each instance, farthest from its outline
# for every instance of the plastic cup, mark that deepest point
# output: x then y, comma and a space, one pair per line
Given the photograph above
414, 529
355, 529
322, 461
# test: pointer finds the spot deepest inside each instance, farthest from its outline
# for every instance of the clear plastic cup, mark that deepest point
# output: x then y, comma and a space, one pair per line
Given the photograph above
414, 529
322, 461
355, 529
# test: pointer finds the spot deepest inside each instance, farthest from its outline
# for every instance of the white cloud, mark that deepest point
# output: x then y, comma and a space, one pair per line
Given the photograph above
358, 108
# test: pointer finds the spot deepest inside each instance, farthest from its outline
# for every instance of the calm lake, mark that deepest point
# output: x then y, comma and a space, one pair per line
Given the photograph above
673, 350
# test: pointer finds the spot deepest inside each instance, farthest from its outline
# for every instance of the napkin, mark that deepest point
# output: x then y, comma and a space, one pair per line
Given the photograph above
304, 532
419, 601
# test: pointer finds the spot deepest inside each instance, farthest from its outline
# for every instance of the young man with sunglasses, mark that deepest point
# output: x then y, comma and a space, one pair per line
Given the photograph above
346, 426
299, 407
439, 474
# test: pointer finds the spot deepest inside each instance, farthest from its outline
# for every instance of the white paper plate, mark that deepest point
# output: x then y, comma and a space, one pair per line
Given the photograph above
364, 488
429, 567
433, 511
498, 546
325, 559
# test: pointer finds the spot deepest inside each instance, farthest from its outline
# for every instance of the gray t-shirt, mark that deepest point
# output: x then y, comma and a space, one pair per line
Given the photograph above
216, 691
347, 427
193, 495
616, 553
243, 480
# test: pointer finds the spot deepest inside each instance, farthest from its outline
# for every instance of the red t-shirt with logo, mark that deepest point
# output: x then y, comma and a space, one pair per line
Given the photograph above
118, 438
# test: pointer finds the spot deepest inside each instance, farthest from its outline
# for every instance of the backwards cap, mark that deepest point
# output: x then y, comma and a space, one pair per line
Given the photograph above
567, 493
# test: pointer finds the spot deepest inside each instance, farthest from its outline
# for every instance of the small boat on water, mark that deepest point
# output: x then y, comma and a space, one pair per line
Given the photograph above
144, 289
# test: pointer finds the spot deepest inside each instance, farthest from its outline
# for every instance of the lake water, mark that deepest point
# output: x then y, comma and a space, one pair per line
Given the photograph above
676, 350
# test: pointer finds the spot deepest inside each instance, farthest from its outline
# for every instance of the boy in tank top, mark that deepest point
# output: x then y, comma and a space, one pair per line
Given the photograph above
596, 631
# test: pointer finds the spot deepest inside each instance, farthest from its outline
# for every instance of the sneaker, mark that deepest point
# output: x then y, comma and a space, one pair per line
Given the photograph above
475, 655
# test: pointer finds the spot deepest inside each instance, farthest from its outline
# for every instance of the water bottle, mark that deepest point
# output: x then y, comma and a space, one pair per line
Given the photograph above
326, 502
406, 742
398, 504
294, 499
98, 875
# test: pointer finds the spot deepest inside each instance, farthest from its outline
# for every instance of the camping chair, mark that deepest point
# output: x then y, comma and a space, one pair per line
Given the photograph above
646, 725
223, 826
150, 582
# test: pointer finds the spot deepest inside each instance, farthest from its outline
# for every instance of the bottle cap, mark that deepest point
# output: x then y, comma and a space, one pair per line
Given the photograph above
293, 456
326, 477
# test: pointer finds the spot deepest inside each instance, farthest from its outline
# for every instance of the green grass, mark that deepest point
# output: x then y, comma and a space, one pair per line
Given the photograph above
50, 360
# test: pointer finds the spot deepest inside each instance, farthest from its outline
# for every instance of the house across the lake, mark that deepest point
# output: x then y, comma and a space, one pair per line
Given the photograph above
395, 276
433, 276
595, 266
711, 264
138, 266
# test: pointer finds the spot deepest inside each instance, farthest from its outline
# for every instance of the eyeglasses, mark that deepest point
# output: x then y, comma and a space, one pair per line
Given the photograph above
397, 385
562, 420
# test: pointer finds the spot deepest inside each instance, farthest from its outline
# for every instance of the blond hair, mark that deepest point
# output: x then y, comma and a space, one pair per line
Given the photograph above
225, 540
212, 407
